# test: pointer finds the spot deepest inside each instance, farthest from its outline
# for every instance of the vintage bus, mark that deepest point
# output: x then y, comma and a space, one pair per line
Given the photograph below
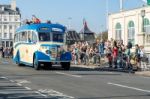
41, 45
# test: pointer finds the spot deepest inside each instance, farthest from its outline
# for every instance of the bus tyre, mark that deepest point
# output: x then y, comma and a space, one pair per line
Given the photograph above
36, 64
65, 65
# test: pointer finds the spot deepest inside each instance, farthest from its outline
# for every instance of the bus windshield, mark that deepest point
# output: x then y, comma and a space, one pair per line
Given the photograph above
57, 37
44, 36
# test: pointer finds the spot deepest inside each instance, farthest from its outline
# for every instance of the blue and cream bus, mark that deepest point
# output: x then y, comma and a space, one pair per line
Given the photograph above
41, 45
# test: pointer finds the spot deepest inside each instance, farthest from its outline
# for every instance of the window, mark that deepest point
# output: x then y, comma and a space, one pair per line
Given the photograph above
5, 27
30, 38
11, 44
10, 36
34, 37
131, 32
16, 38
5, 35
23, 36
5, 18
10, 27
146, 26
16, 18
147, 30
57, 37
118, 31
44, 36
0, 35
7, 43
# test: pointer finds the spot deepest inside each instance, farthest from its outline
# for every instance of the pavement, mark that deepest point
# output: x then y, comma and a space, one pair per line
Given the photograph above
106, 68
103, 67
143, 73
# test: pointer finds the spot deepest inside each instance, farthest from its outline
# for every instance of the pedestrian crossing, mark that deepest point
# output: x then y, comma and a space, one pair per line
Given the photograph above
10, 90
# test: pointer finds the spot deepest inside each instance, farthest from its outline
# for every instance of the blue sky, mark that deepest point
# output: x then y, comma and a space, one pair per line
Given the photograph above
58, 11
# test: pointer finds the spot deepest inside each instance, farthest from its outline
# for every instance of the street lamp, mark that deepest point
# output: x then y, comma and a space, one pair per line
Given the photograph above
143, 15
101, 32
82, 36
69, 22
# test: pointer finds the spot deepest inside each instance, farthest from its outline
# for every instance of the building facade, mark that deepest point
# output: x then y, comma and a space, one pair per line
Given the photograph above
131, 26
10, 19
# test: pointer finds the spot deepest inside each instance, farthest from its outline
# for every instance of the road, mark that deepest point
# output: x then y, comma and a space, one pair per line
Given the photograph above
78, 83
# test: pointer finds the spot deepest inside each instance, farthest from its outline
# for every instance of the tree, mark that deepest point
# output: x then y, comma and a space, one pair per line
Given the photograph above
103, 35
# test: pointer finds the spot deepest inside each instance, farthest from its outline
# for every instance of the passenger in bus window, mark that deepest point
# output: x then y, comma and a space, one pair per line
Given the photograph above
29, 40
41, 38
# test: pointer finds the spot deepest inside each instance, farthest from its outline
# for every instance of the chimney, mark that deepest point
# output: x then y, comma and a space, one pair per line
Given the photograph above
13, 5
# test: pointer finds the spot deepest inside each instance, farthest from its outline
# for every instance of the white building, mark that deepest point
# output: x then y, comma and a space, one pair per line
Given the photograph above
10, 19
131, 26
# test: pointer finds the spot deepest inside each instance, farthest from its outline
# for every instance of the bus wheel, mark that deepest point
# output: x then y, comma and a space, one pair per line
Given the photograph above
36, 64
65, 65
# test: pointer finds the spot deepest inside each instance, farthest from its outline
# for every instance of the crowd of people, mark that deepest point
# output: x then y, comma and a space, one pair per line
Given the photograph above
6, 52
115, 53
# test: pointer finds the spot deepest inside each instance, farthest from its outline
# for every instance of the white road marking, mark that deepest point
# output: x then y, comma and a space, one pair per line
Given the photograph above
27, 88
19, 84
12, 81
133, 88
54, 93
147, 77
22, 81
4, 77
40, 93
68, 74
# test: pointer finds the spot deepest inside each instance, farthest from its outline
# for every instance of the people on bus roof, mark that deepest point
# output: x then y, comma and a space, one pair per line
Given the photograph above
49, 22
35, 20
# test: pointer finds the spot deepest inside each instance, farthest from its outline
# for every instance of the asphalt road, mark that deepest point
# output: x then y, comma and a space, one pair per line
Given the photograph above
78, 83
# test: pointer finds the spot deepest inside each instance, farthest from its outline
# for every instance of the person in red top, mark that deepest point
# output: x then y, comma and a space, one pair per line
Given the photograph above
35, 19
115, 54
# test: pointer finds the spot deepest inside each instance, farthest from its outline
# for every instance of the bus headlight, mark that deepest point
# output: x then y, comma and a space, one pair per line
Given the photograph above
43, 48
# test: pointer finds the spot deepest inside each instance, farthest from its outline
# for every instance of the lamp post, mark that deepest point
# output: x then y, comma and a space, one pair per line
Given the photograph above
69, 22
143, 15
143, 30
101, 32
82, 36
1, 31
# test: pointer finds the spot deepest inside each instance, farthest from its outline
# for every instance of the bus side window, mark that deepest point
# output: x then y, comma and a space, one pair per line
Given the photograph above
34, 37
16, 38
30, 39
23, 36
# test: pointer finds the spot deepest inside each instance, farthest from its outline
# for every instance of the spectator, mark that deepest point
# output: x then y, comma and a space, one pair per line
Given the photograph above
35, 20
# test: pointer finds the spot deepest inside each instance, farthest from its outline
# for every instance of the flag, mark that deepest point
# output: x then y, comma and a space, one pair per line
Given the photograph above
84, 23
